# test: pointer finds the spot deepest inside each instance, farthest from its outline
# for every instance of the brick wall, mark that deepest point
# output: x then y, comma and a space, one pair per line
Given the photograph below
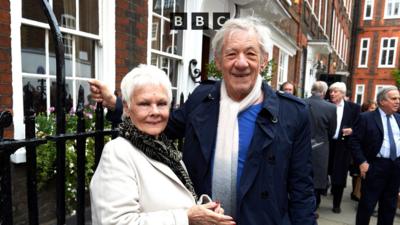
375, 30
5, 61
131, 36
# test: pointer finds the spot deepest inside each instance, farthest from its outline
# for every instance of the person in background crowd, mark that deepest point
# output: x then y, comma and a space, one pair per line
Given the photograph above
254, 156
323, 125
375, 147
288, 87
369, 106
354, 170
339, 155
140, 178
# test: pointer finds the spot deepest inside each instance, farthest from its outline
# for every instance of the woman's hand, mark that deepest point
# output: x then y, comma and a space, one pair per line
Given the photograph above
210, 213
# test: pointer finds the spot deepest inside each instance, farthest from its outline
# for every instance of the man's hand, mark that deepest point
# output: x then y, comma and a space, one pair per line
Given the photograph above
101, 93
364, 167
347, 131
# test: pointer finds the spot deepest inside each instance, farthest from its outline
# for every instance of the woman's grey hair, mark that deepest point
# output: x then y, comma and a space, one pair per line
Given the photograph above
319, 88
382, 94
141, 76
245, 24
340, 86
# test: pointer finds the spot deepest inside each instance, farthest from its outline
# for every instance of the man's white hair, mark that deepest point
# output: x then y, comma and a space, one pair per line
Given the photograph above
246, 24
340, 86
141, 76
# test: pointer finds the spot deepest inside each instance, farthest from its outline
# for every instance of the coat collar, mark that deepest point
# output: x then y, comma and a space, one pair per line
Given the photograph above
205, 118
271, 101
316, 97
378, 119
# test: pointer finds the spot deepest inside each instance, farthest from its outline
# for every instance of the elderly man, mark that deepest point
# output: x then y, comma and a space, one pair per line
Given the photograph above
339, 155
323, 125
376, 149
246, 144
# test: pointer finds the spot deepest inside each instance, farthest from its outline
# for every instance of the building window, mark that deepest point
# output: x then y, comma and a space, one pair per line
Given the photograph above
368, 9
334, 29
392, 9
313, 6
388, 52
349, 9
166, 44
325, 15
363, 57
79, 21
359, 95
319, 12
282, 67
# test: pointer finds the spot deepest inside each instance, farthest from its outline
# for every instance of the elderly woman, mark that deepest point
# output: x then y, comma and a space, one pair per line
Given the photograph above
140, 178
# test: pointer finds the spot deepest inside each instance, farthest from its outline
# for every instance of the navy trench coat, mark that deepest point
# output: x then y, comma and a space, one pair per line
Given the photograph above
276, 186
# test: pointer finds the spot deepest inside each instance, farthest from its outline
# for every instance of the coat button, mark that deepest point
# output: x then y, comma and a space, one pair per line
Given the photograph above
264, 194
271, 159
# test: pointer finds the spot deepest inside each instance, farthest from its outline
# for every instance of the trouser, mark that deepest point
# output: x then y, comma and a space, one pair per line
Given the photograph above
318, 193
337, 192
381, 184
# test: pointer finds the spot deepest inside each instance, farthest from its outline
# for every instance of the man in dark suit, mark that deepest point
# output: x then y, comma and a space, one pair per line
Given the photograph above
375, 146
339, 155
323, 125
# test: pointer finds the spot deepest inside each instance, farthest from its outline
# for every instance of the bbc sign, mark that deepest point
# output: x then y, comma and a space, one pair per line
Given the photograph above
199, 20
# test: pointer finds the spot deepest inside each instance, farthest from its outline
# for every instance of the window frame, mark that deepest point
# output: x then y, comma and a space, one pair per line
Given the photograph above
356, 93
103, 54
282, 67
74, 34
159, 53
391, 16
372, 10
334, 25
366, 53
380, 65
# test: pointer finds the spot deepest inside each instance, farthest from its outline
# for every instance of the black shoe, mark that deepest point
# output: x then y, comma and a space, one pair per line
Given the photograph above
354, 198
336, 210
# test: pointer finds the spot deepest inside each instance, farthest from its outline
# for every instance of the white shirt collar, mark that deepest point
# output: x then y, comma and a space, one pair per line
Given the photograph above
341, 103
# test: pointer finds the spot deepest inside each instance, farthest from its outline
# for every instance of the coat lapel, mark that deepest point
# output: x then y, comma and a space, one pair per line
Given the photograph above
345, 119
397, 117
264, 133
378, 120
164, 169
205, 120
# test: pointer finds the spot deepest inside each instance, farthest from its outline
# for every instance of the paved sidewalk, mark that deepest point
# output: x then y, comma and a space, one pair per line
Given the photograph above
348, 214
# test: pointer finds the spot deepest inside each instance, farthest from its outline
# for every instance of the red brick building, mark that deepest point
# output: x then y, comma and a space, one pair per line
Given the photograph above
6, 91
377, 51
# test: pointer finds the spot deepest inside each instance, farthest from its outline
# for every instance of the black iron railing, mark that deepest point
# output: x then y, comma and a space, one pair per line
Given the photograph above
9, 146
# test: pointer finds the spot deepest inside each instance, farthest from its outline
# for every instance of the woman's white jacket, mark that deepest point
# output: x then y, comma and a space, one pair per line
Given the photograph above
130, 188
